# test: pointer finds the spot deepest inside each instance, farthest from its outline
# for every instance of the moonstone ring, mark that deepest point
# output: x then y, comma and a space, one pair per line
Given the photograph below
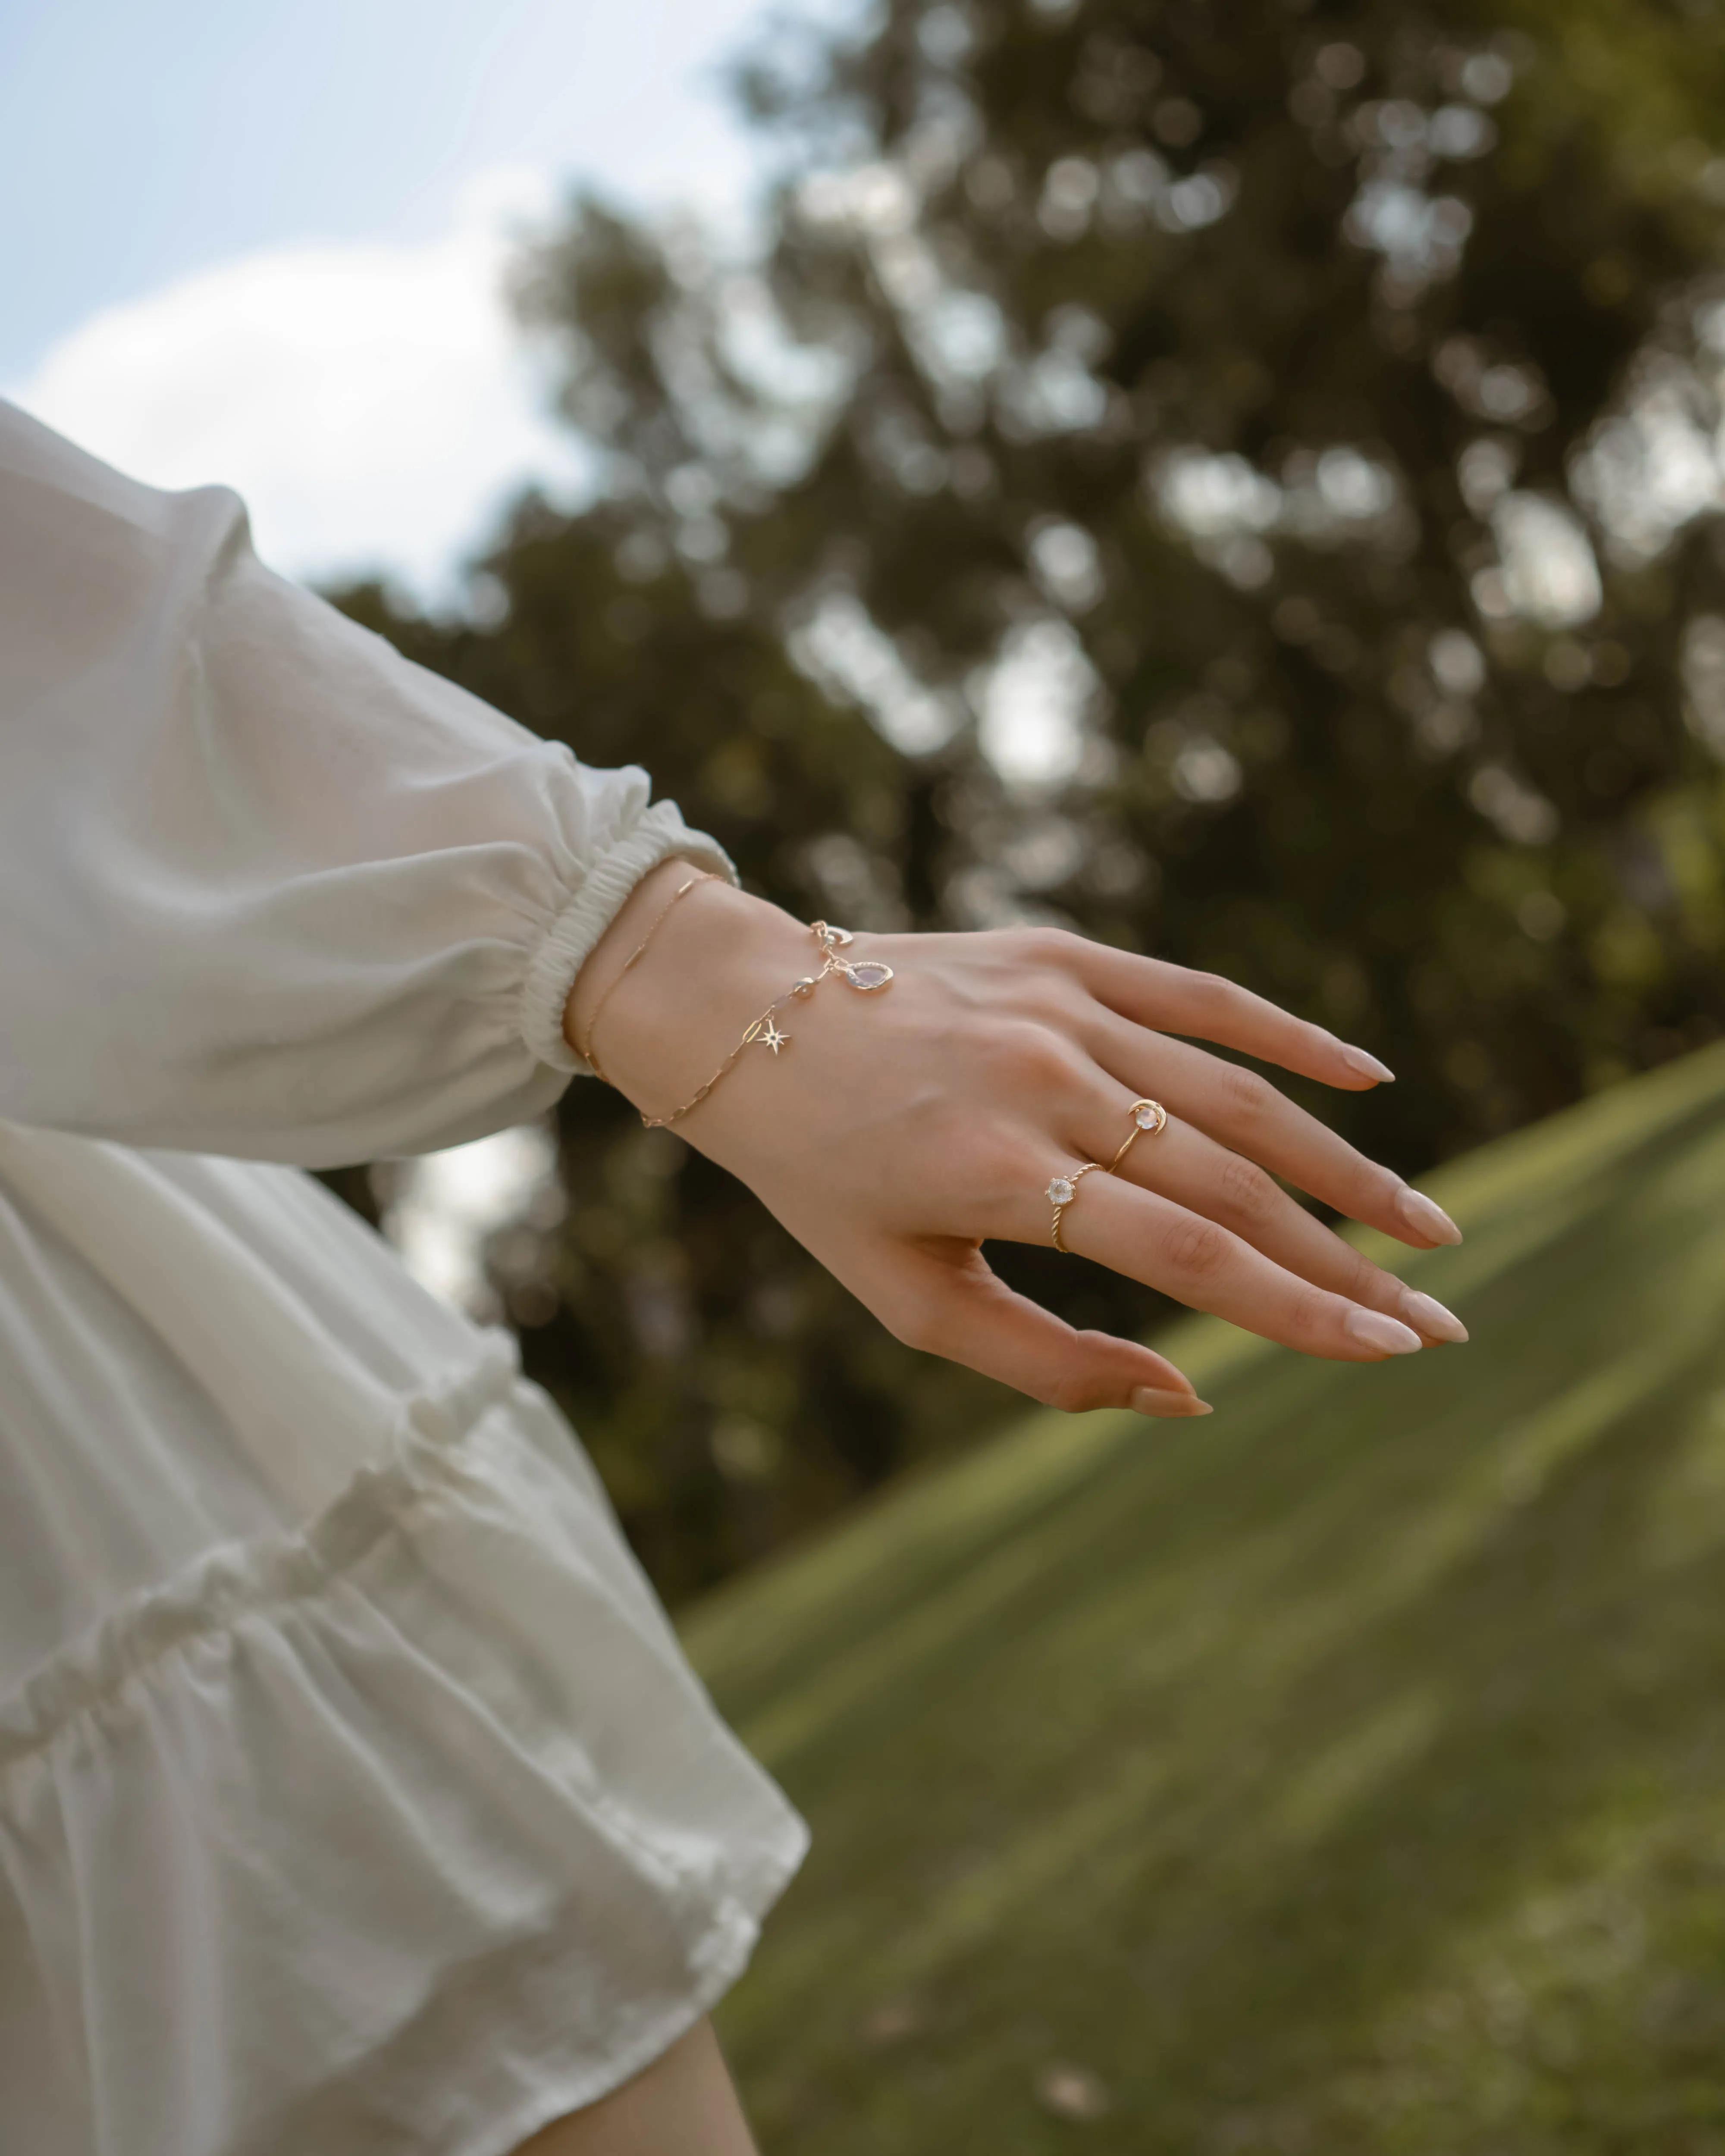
1146, 1115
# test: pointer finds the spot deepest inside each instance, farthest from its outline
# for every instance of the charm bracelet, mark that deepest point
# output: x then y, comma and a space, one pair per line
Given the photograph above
864, 974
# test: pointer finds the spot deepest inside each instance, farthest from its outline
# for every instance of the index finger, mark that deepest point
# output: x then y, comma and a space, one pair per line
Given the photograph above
1170, 998
1245, 1113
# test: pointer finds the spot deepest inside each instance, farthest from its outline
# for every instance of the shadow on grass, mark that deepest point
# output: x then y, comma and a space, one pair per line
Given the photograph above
1191, 1755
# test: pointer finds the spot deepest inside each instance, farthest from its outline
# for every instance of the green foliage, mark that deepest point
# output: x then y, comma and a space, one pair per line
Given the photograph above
1342, 1773
1302, 398
1224, 255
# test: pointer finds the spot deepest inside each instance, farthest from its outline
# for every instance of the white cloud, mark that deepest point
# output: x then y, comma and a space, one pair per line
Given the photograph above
373, 404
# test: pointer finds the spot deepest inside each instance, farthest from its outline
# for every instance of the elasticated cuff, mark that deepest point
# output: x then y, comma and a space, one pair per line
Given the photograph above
661, 834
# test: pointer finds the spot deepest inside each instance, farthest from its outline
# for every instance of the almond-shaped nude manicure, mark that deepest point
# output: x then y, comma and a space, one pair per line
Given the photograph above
1425, 1217
1384, 1336
1367, 1066
1430, 1315
1152, 1400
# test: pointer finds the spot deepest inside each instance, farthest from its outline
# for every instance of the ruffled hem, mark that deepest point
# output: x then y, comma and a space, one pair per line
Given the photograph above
410, 1831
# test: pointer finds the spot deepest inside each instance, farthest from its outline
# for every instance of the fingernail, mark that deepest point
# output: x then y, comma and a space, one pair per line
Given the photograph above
1367, 1066
1150, 1400
1384, 1336
1424, 1218
1429, 1315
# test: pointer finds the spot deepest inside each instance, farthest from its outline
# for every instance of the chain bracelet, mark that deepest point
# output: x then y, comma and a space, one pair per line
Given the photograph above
866, 974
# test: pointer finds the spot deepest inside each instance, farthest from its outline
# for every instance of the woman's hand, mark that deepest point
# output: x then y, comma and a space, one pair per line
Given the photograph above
896, 1131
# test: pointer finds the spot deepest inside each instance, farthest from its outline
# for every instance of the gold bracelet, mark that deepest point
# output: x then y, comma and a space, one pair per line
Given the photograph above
866, 974
585, 1052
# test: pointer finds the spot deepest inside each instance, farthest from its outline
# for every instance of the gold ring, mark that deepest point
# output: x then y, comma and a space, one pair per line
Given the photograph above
1061, 1191
1146, 1115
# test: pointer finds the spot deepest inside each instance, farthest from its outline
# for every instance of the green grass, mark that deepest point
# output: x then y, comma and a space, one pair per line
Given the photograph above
1344, 1773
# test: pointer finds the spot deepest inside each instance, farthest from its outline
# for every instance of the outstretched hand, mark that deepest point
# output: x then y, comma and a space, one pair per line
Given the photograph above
896, 1131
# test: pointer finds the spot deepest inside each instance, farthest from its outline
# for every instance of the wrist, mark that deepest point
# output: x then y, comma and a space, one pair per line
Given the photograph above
621, 945
658, 1023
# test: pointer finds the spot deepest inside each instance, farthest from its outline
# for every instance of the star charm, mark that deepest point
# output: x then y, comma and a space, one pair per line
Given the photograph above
773, 1038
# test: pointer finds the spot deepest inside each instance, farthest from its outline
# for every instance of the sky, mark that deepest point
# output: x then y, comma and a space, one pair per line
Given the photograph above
263, 243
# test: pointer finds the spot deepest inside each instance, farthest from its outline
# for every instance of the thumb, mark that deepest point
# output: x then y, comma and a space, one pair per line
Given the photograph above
946, 1299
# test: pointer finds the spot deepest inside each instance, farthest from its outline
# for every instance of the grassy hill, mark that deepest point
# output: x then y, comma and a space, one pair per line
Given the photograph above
1344, 1773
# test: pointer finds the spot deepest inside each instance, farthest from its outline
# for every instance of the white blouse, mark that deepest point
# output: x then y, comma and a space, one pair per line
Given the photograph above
354, 1794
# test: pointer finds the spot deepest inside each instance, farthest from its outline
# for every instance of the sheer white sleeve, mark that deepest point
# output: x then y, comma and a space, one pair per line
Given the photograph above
266, 888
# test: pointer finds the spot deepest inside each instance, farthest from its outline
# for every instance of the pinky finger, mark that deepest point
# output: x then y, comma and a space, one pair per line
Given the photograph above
954, 1305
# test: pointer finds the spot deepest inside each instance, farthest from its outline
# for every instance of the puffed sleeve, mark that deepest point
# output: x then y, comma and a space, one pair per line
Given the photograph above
266, 888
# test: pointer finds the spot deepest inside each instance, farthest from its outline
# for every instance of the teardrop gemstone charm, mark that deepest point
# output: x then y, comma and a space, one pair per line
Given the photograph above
867, 973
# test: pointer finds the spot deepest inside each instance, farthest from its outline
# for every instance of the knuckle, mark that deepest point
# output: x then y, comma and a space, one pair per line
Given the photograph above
1367, 1284
1196, 1247
1247, 1191
997, 1161
1046, 947
1245, 1095
1311, 1314
1034, 1057
1070, 1393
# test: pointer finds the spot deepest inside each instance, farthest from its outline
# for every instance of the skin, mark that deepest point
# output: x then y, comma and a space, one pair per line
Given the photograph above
898, 1131
683, 2105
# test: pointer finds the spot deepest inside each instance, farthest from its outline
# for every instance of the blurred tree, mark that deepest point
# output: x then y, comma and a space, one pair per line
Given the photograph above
1239, 477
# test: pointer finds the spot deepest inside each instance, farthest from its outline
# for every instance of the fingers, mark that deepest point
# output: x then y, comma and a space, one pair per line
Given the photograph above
1246, 1114
1183, 1164
1207, 1266
1170, 998
945, 1299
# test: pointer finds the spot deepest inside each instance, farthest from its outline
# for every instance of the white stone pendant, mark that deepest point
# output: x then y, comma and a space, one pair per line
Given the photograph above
861, 974
1062, 1190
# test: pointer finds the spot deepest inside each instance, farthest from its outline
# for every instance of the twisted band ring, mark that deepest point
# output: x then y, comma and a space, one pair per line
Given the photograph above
1061, 1191
1146, 1115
